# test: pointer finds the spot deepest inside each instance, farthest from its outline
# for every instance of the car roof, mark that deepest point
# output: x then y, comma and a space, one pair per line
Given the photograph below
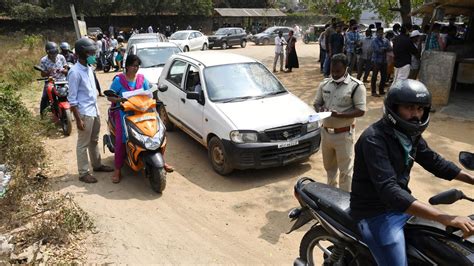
187, 31
154, 44
212, 58
231, 28
145, 36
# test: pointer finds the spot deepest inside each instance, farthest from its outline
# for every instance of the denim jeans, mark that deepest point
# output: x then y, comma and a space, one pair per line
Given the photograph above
327, 65
384, 236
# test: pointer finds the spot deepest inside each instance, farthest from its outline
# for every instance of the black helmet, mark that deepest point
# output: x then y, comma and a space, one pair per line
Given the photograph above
64, 46
407, 92
51, 48
83, 46
120, 38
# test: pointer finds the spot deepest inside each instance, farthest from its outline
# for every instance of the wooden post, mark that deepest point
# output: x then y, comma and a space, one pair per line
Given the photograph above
74, 20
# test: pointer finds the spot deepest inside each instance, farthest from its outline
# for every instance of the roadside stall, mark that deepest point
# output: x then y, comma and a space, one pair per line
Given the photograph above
444, 71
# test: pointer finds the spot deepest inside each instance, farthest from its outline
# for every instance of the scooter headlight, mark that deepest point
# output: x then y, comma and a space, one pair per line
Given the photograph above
155, 142
62, 91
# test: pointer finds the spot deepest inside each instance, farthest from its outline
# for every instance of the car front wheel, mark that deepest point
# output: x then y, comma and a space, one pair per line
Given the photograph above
204, 47
224, 45
186, 49
243, 43
218, 156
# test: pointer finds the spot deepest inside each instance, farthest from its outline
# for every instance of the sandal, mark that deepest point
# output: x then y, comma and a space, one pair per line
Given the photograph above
88, 178
168, 168
115, 179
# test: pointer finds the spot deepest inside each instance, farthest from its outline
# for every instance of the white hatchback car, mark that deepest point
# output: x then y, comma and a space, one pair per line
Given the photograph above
153, 57
238, 109
190, 40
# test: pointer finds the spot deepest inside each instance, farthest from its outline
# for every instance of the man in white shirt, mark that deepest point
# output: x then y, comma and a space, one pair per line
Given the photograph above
150, 29
279, 42
83, 99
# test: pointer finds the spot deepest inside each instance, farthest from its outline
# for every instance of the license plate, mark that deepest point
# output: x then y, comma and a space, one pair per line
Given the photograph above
288, 144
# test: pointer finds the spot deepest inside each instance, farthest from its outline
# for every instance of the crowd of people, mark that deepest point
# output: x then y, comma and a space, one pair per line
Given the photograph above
393, 54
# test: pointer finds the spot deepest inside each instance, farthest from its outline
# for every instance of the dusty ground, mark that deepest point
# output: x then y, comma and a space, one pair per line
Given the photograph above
206, 218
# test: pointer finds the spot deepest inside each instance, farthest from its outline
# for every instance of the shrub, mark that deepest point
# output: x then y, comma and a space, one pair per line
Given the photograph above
32, 41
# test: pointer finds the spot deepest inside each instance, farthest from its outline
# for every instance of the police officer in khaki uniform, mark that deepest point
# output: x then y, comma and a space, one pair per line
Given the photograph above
345, 97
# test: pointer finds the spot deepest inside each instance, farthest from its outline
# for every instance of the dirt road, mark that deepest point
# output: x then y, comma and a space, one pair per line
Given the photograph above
206, 218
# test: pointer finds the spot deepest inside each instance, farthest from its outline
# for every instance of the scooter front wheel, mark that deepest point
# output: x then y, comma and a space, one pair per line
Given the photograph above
157, 179
66, 122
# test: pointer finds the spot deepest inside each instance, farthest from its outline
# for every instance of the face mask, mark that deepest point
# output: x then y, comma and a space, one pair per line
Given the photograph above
91, 60
341, 79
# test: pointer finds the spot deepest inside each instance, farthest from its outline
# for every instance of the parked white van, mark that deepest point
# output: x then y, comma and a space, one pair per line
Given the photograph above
238, 109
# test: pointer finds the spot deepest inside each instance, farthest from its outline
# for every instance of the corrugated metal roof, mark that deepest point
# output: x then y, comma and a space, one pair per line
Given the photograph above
451, 7
249, 12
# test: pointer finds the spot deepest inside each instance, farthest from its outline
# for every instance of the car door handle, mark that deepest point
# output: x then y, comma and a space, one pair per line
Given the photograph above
183, 100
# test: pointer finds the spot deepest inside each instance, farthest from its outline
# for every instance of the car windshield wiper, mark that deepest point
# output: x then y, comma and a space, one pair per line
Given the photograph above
274, 93
239, 99
157, 65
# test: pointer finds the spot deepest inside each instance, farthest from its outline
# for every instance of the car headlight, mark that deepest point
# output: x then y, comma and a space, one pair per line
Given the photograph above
243, 137
312, 126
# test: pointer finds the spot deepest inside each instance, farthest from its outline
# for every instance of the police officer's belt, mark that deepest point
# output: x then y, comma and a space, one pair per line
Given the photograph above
339, 130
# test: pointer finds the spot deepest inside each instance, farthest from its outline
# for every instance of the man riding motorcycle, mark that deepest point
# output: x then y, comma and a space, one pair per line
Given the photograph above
67, 53
55, 66
384, 155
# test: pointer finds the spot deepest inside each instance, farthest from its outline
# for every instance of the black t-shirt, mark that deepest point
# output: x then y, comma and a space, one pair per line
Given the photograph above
337, 43
380, 179
403, 49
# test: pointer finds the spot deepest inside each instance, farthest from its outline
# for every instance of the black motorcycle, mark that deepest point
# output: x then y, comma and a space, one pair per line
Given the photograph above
108, 60
335, 233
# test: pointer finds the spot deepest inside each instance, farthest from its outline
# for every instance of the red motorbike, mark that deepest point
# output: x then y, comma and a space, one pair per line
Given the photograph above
57, 91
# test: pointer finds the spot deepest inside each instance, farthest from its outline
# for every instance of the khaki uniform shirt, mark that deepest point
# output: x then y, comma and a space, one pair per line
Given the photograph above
342, 97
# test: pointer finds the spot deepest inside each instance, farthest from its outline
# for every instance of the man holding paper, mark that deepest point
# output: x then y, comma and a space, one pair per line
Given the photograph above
345, 97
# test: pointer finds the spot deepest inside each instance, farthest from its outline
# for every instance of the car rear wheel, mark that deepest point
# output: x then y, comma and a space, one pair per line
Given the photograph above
224, 45
265, 41
218, 156
186, 49
204, 47
243, 43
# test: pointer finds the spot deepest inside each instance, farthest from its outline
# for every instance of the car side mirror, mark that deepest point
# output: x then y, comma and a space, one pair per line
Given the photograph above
467, 159
193, 95
163, 87
198, 96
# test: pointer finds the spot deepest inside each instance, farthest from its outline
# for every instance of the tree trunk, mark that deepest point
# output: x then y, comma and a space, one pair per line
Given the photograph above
405, 9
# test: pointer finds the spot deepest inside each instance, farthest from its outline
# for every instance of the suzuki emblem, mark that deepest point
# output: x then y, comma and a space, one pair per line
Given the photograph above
286, 134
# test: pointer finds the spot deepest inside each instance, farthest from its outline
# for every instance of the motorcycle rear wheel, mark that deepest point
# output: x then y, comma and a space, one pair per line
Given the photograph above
319, 238
157, 179
66, 122
106, 68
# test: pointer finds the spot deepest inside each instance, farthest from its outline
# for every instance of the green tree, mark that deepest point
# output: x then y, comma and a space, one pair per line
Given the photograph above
29, 12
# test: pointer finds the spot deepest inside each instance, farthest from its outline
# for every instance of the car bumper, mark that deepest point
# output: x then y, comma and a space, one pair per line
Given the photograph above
268, 154
215, 42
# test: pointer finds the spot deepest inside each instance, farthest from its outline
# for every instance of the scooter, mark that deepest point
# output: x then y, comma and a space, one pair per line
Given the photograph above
145, 135
58, 91
335, 236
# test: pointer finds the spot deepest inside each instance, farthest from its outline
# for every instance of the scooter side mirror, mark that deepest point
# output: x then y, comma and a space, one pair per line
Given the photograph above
110, 93
447, 197
467, 159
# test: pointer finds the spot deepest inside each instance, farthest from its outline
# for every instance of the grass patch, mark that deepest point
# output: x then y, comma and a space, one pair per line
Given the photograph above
40, 221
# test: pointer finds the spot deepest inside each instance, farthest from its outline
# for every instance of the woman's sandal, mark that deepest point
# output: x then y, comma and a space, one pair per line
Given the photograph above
115, 179
168, 168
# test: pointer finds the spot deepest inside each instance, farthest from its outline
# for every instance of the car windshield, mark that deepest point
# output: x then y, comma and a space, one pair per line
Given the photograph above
222, 31
179, 36
242, 81
156, 56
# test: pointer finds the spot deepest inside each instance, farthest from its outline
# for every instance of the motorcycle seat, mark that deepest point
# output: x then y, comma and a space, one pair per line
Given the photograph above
334, 202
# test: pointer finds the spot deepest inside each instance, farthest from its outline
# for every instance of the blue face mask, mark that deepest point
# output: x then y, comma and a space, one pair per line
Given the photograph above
91, 60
